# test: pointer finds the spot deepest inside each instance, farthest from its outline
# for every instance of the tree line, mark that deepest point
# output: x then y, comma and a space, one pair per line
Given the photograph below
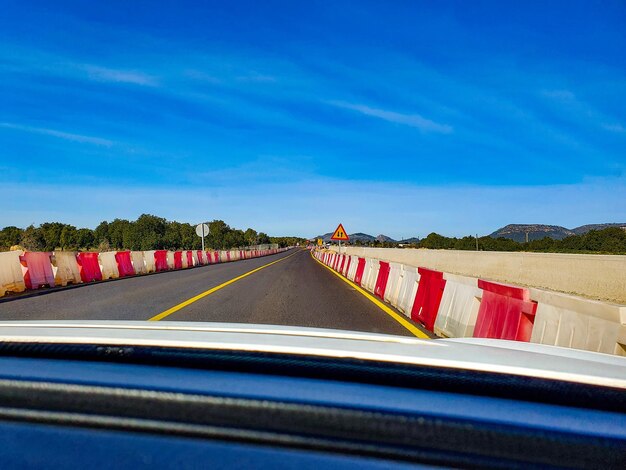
610, 240
148, 232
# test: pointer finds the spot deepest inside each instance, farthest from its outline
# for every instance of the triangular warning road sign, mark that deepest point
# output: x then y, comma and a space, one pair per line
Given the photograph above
340, 234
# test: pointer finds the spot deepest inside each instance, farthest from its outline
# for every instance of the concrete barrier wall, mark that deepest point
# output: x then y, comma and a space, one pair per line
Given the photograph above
600, 277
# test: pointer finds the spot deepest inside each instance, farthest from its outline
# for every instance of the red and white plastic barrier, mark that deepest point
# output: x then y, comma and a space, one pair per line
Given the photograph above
21, 270
460, 306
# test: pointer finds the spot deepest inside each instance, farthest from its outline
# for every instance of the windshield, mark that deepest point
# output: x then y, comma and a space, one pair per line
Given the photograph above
450, 172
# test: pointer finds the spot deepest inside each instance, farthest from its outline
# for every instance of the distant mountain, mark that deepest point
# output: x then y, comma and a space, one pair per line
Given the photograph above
518, 232
363, 237
585, 228
408, 241
385, 238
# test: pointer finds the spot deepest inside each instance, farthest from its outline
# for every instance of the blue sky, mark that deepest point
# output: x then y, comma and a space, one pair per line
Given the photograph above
392, 117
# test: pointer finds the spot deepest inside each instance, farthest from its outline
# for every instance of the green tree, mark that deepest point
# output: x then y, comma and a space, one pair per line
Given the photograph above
84, 239
250, 236
172, 239
32, 239
148, 233
68, 240
217, 233
436, 241
51, 234
119, 234
234, 239
101, 233
10, 236
188, 237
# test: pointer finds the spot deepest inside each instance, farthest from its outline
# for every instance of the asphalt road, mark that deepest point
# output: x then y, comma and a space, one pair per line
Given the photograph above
295, 291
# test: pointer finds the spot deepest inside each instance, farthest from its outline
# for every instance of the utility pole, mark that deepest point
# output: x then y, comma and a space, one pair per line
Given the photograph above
476, 242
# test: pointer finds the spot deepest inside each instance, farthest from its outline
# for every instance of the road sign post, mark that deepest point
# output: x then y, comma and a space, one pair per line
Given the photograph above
202, 230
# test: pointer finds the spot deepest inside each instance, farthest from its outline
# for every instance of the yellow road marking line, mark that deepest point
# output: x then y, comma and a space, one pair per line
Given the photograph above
182, 305
405, 323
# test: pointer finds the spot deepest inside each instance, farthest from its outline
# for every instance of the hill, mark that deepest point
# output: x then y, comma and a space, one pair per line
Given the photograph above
363, 237
585, 228
518, 232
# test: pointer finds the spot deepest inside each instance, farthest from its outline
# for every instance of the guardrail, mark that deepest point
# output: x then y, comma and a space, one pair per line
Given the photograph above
29, 270
456, 306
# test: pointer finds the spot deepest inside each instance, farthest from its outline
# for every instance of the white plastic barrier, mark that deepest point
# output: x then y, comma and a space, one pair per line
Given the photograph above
408, 289
108, 265
137, 258
372, 266
354, 263
170, 260
394, 282
65, 268
459, 306
11, 278
196, 260
149, 262
575, 322
223, 256
184, 259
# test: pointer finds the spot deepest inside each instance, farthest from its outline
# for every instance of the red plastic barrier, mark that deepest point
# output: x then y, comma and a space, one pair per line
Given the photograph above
201, 258
381, 280
89, 267
124, 263
178, 260
360, 268
160, 260
228, 256
38, 269
506, 312
190, 259
428, 297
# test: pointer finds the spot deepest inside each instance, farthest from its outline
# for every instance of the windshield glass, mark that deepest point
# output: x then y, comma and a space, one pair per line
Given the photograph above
446, 171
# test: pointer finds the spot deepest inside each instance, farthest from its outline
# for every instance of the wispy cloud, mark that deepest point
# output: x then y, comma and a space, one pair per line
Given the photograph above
83, 139
578, 107
560, 95
104, 74
615, 128
256, 77
411, 120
